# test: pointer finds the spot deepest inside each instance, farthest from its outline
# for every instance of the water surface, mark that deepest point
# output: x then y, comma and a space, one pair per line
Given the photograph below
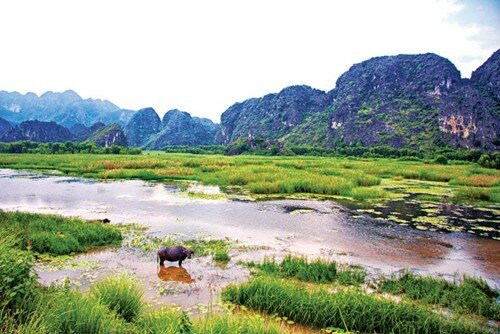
308, 227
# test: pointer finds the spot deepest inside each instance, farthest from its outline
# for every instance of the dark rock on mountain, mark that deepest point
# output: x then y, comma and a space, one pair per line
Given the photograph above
142, 127
109, 135
416, 101
5, 126
488, 75
43, 132
179, 128
404, 101
81, 132
66, 108
272, 116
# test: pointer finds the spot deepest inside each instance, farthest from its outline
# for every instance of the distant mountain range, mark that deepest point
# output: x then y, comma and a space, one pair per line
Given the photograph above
404, 101
66, 109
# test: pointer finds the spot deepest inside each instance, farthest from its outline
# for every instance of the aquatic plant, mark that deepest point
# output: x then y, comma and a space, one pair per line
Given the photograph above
54, 234
350, 310
264, 176
316, 270
468, 294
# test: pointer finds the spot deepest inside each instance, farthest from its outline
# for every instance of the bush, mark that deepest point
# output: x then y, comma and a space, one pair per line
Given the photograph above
16, 276
490, 160
441, 159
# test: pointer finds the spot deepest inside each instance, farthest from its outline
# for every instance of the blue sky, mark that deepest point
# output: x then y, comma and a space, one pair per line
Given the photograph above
202, 56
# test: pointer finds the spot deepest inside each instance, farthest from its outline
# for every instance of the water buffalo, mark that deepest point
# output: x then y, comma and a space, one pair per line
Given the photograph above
172, 254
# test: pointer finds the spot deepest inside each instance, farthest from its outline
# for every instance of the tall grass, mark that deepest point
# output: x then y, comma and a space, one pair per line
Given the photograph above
350, 310
164, 321
470, 294
317, 270
265, 175
222, 324
121, 294
55, 234
74, 312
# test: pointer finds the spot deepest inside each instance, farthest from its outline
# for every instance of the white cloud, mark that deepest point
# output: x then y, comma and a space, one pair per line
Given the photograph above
202, 56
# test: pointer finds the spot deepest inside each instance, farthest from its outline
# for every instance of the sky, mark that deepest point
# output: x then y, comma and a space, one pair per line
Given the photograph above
204, 56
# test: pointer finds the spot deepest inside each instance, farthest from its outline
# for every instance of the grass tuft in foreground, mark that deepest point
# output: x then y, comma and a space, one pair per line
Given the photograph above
471, 294
121, 294
349, 310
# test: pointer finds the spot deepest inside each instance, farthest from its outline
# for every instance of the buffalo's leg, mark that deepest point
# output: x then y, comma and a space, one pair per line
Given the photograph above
180, 263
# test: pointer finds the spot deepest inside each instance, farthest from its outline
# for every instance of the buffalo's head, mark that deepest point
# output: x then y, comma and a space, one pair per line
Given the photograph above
188, 252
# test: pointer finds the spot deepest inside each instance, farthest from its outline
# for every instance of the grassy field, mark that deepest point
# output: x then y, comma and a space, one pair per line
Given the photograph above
360, 180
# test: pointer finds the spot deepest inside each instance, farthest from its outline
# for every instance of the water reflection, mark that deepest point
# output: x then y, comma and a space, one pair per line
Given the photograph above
173, 273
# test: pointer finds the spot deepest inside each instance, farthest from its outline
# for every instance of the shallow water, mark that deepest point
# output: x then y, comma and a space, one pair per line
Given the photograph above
308, 227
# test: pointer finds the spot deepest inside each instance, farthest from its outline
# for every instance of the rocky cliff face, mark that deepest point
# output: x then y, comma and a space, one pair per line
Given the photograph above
81, 132
272, 116
66, 108
178, 128
142, 127
412, 101
487, 76
5, 126
43, 132
109, 135
416, 101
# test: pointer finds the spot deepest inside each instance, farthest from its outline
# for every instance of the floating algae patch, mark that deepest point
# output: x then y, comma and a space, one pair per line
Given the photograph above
433, 216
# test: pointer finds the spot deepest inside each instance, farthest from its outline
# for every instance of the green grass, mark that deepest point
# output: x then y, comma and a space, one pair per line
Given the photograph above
360, 179
75, 312
349, 310
120, 294
317, 270
235, 325
56, 235
470, 294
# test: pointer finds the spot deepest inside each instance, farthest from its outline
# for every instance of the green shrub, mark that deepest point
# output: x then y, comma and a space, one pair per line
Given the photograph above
120, 294
16, 275
441, 159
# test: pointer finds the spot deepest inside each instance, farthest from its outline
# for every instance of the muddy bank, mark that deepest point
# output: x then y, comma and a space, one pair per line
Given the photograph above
315, 228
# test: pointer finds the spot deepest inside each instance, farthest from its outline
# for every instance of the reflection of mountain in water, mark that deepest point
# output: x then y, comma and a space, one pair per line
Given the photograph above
173, 273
